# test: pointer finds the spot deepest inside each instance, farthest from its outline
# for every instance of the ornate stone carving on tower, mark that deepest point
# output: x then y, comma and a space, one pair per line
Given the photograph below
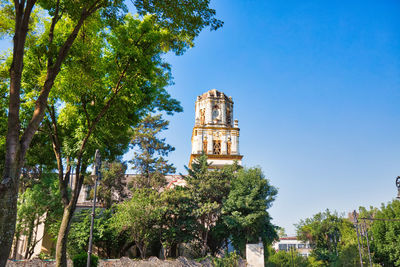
214, 131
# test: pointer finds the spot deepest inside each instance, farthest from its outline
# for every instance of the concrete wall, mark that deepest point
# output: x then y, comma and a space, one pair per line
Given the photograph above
255, 255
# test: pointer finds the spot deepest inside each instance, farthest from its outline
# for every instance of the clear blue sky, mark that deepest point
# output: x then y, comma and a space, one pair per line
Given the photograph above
316, 86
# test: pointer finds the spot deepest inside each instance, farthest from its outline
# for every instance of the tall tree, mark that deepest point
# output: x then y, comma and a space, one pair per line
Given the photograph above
116, 87
323, 231
245, 209
184, 21
112, 188
19, 138
148, 161
139, 217
177, 224
208, 189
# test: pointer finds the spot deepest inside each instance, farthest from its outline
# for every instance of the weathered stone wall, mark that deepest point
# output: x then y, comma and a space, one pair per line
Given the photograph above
123, 262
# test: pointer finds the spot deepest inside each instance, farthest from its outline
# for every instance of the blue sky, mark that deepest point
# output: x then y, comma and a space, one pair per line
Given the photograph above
316, 86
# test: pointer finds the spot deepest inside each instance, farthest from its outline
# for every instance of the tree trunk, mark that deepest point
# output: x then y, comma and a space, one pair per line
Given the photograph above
61, 247
8, 209
17, 144
15, 247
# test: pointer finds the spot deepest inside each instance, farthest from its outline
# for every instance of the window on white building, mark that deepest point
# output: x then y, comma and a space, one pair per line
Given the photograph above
301, 246
283, 247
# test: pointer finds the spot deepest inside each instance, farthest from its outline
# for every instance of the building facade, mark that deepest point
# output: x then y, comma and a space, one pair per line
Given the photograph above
215, 132
292, 244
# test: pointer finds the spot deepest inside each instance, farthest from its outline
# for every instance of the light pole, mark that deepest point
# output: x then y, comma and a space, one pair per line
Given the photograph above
398, 186
97, 173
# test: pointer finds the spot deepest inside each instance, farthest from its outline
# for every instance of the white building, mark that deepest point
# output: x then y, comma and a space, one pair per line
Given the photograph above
215, 132
292, 243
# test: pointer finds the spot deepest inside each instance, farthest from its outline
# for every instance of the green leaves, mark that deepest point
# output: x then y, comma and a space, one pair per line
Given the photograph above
38, 204
386, 234
245, 209
139, 217
183, 19
148, 161
104, 235
323, 231
231, 203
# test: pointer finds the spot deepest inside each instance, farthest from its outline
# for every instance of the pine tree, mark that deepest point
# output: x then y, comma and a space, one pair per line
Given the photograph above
149, 161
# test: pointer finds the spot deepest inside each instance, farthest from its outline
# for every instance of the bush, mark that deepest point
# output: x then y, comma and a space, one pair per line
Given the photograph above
291, 258
44, 256
80, 260
230, 260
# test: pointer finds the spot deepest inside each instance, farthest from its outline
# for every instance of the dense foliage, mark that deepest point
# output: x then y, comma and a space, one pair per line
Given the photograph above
290, 258
386, 234
81, 260
334, 238
148, 162
202, 214
108, 243
38, 204
93, 71
245, 209
112, 187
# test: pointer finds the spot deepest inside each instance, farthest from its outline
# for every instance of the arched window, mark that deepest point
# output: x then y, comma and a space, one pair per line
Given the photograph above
217, 147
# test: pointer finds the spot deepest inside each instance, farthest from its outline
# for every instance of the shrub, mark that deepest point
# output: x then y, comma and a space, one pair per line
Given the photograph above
230, 260
80, 260
44, 256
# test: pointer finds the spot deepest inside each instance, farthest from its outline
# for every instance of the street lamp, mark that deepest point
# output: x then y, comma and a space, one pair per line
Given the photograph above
96, 172
398, 186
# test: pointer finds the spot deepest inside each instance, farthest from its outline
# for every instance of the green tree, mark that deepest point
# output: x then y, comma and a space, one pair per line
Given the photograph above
324, 232
208, 189
183, 22
177, 224
109, 243
148, 161
347, 248
117, 86
282, 232
245, 209
112, 186
110, 91
139, 217
386, 234
19, 22
39, 203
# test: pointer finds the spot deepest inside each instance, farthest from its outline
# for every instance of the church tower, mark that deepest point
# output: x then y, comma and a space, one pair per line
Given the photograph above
214, 131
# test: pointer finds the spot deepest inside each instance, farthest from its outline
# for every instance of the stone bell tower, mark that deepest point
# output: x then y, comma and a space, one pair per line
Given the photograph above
215, 132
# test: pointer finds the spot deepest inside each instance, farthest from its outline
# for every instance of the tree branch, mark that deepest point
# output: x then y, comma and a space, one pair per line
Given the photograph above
54, 21
52, 73
84, 102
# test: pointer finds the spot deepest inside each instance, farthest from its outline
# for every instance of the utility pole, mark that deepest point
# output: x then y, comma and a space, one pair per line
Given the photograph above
358, 236
366, 235
96, 172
